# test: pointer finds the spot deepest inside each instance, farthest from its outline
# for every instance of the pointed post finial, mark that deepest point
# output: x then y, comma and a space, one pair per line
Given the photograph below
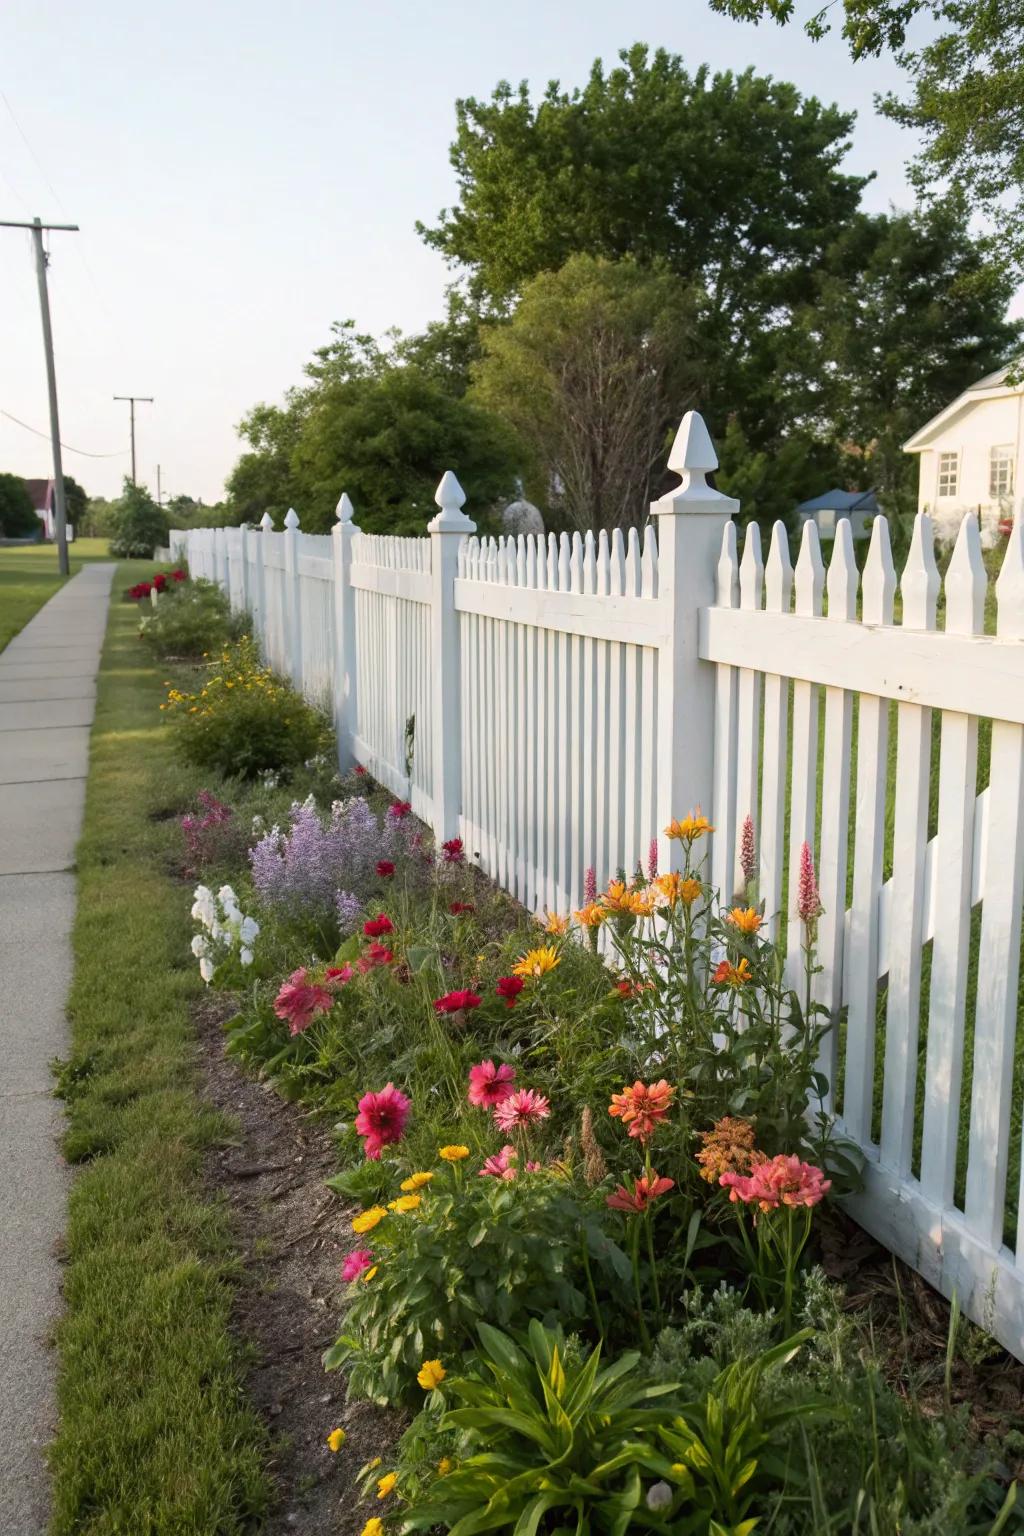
345, 512
693, 457
451, 498
291, 518
267, 523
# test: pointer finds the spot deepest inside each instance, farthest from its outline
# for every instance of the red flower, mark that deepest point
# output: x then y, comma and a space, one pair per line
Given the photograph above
140, 589
381, 1119
454, 1002
337, 975
179, 576
399, 809
453, 851
160, 581
490, 1085
359, 770
375, 955
377, 926
509, 987
300, 1000
645, 1189
461, 906
385, 868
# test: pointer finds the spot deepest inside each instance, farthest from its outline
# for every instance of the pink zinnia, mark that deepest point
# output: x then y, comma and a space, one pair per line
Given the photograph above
375, 927
399, 809
784, 1180
455, 1002
748, 858
501, 1165
358, 1260
299, 1001
337, 975
522, 1107
381, 1119
808, 899
385, 868
490, 1085
453, 851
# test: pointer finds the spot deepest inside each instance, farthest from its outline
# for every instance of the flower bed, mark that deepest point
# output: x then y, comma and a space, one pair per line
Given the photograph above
587, 1183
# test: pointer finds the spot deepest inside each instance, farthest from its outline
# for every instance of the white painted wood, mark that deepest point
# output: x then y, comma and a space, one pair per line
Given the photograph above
770, 826
748, 704
808, 588
920, 590
723, 805
958, 764
447, 529
879, 586
294, 622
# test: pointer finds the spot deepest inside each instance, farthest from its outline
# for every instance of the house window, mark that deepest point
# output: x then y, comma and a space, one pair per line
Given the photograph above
1000, 472
949, 473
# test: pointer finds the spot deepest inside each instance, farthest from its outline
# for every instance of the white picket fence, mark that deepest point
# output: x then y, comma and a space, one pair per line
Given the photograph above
564, 698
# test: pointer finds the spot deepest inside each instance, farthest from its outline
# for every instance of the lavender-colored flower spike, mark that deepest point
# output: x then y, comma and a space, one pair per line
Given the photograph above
652, 859
748, 856
589, 886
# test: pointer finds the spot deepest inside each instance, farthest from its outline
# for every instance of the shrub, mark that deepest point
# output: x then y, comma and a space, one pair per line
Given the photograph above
138, 525
191, 619
18, 519
244, 720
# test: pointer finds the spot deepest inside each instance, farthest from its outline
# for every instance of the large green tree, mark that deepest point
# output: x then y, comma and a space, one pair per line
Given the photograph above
18, 517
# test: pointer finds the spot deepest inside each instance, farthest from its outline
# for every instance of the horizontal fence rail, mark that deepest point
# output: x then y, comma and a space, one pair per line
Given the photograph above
556, 701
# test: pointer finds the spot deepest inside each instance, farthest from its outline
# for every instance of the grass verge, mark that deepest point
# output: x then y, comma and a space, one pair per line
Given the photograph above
156, 1434
29, 577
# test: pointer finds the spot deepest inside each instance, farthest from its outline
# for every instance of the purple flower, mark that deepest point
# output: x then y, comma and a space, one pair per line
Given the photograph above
349, 908
305, 868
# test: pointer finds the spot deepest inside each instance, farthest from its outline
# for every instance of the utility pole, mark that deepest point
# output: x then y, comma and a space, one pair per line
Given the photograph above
159, 495
61, 522
146, 399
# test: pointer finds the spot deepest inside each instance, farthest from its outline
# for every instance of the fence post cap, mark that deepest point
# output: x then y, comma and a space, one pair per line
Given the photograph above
345, 512
291, 518
450, 497
267, 523
693, 457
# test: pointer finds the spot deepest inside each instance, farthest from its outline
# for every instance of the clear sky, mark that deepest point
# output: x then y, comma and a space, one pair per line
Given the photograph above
244, 174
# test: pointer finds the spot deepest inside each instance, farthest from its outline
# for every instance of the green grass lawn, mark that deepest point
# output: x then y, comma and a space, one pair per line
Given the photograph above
156, 1434
29, 575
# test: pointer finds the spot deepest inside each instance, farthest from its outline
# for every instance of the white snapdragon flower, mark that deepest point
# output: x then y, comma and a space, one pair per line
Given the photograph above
245, 956
249, 930
203, 907
200, 946
206, 970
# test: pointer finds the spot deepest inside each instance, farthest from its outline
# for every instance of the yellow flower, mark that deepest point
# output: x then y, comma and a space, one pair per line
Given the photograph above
386, 1483
368, 1274
590, 916
431, 1374
453, 1154
371, 1466
641, 903
367, 1220
336, 1439
405, 1203
554, 924
415, 1181
690, 828
746, 919
674, 887
444, 1466
617, 897
373, 1527
537, 962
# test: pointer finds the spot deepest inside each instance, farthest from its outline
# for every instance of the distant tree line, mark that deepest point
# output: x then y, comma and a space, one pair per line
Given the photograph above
653, 241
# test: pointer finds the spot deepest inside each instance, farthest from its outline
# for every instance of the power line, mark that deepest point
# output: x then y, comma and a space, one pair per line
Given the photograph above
83, 452
35, 157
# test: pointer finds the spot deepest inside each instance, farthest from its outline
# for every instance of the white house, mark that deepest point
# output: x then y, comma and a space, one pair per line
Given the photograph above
972, 457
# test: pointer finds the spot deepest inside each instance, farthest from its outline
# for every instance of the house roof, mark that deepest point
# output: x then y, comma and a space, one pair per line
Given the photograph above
41, 492
990, 387
841, 501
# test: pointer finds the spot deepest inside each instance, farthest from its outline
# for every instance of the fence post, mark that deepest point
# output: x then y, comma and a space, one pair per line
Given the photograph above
345, 671
260, 624
690, 520
243, 545
447, 530
293, 630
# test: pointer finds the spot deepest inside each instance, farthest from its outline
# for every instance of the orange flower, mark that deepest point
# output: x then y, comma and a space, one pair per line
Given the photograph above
618, 898
590, 916
641, 903
746, 919
728, 975
642, 1106
690, 828
674, 887
554, 923
727, 1148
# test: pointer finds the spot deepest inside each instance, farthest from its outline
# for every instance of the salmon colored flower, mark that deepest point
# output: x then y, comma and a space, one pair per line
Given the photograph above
376, 927
689, 829
431, 1374
509, 987
367, 1220
783, 1180
727, 1148
746, 919
524, 1107
645, 1189
358, 1260
456, 1002
729, 975
490, 1084
414, 1182
537, 962
642, 1107
381, 1119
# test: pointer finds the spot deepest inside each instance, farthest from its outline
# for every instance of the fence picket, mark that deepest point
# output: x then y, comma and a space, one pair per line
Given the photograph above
723, 843
748, 704
770, 826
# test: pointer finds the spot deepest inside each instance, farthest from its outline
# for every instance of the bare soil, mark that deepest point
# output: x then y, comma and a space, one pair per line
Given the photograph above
292, 1235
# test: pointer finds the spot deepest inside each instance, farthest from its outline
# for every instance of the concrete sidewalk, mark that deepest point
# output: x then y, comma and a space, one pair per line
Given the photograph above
47, 696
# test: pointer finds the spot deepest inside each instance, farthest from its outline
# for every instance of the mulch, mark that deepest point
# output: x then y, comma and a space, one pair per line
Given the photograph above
292, 1235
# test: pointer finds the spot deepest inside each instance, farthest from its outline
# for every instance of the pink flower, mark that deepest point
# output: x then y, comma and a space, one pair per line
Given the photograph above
808, 900
375, 927
399, 809
453, 851
299, 1001
501, 1165
385, 868
652, 860
589, 886
458, 907
645, 1189
455, 1002
509, 987
375, 955
337, 975
490, 1085
784, 1180
359, 1259
522, 1107
748, 858
381, 1119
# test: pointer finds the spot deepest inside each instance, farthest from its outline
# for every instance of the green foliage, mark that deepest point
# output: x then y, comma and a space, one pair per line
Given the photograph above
478, 1250
243, 720
550, 1441
592, 371
75, 503
191, 618
137, 524
18, 517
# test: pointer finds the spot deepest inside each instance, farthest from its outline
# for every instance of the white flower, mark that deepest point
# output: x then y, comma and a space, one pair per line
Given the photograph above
203, 907
246, 957
659, 1496
226, 896
250, 930
200, 946
206, 970
217, 929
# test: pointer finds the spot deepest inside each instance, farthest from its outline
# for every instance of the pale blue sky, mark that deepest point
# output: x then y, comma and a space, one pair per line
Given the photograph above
246, 173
